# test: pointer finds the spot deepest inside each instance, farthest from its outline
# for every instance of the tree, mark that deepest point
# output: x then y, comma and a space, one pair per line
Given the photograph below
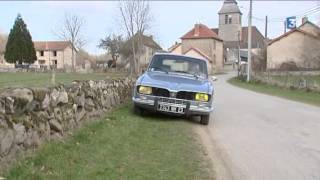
135, 17
112, 45
3, 42
71, 30
19, 47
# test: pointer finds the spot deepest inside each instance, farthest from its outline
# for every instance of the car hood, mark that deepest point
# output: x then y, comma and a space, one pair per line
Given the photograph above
175, 82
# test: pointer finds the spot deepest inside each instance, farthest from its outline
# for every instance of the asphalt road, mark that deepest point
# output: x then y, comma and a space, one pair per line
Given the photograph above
256, 136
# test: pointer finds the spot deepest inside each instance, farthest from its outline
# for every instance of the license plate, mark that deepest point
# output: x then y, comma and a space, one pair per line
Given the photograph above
172, 109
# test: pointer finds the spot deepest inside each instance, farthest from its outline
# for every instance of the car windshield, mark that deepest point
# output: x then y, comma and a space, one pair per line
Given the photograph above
179, 64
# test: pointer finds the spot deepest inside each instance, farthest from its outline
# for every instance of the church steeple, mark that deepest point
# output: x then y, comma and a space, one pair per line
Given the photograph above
229, 21
229, 6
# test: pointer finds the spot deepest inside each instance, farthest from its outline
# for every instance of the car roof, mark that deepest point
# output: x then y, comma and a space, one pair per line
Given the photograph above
178, 55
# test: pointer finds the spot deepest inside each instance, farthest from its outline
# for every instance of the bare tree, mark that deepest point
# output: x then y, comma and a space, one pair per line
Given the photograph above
135, 17
3, 42
71, 30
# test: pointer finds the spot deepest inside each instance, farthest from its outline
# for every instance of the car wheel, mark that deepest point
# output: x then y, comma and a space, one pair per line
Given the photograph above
205, 119
137, 110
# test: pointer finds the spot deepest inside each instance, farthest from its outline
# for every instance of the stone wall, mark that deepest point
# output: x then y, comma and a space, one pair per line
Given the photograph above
303, 80
30, 116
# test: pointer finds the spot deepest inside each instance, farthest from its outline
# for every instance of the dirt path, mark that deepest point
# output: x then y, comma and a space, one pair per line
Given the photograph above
256, 136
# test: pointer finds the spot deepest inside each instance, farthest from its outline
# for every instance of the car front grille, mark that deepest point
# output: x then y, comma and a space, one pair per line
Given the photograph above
172, 101
185, 95
160, 92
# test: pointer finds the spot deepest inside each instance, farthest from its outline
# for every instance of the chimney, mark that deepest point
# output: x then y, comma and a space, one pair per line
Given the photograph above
304, 19
196, 29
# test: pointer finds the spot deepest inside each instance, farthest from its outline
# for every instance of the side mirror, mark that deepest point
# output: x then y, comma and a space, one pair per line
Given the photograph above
213, 78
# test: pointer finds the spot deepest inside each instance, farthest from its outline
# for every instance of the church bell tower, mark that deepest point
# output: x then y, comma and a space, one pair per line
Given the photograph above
229, 21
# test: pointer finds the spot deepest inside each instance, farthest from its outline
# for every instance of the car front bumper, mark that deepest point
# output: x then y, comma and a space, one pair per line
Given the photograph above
192, 107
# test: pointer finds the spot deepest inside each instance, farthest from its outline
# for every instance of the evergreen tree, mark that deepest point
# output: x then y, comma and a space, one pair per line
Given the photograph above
20, 47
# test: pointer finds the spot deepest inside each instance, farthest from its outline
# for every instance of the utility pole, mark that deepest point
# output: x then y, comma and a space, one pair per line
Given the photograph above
285, 27
249, 42
266, 28
239, 58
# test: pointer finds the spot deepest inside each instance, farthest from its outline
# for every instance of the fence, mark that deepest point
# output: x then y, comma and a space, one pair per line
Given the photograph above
305, 80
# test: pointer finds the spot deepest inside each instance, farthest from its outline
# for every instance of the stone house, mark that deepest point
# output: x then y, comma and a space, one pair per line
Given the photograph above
298, 48
201, 42
57, 54
147, 50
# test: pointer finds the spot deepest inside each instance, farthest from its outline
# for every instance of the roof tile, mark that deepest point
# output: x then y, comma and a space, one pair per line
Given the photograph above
200, 31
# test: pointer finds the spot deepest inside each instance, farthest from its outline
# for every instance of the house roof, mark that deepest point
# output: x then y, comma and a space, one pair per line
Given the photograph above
290, 32
309, 22
201, 31
229, 6
256, 37
146, 40
51, 45
199, 52
173, 47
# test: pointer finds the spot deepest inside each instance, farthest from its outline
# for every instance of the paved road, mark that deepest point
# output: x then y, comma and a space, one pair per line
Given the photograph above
256, 136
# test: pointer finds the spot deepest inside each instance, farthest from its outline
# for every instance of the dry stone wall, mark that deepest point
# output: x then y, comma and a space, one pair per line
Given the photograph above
30, 116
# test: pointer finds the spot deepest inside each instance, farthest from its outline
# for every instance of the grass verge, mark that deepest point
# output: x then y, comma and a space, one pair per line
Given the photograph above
120, 146
28, 79
312, 98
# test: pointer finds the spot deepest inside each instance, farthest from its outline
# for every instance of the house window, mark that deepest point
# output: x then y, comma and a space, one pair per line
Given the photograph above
54, 53
230, 19
42, 61
41, 53
226, 19
54, 64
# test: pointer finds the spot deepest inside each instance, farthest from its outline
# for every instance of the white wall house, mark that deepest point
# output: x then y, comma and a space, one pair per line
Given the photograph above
57, 54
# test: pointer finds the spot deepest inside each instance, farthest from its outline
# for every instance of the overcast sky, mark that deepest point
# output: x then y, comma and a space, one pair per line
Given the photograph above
171, 19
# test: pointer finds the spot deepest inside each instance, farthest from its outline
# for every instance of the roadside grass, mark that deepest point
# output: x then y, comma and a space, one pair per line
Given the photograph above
120, 146
312, 98
27, 79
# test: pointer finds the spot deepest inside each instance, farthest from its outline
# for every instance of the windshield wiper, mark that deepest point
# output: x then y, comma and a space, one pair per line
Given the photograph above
158, 68
196, 75
185, 72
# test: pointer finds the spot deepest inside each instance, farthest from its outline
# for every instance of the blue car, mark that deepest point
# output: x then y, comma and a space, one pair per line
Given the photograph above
175, 84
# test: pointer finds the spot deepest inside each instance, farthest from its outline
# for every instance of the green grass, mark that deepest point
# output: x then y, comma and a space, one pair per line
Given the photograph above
120, 146
27, 79
296, 95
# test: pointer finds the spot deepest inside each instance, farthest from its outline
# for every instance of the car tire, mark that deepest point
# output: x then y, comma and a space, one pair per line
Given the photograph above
205, 119
137, 110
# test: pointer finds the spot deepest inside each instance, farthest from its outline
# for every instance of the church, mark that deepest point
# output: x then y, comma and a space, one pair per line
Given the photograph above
219, 46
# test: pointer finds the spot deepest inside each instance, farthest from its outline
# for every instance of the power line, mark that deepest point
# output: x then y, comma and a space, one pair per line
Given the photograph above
311, 11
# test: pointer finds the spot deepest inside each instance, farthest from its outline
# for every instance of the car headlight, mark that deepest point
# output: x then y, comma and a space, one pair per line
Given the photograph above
145, 90
202, 97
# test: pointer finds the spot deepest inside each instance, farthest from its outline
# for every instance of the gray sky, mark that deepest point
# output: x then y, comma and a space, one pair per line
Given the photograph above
171, 19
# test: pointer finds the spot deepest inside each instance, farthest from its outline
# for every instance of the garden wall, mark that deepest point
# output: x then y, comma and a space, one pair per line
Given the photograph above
30, 116
304, 80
